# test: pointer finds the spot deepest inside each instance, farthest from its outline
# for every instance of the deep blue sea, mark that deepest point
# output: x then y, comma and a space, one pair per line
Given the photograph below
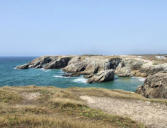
41, 77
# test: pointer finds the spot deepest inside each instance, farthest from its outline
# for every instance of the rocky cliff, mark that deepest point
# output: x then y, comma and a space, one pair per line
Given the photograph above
155, 86
99, 68
47, 62
95, 68
137, 66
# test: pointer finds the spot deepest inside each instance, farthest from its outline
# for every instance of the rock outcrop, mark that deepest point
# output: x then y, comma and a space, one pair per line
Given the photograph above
76, 64
134, 66
98, 68
91, 64
155, 86
58, 63
47, 62
41, 61
102, 76
24, 66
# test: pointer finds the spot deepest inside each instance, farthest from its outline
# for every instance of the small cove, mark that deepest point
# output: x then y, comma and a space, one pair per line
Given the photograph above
41, 77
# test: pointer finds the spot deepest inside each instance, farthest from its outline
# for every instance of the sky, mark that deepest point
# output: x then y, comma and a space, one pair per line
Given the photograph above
69, 27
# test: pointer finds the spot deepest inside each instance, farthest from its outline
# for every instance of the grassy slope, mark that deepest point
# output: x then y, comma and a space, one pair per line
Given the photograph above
51, 107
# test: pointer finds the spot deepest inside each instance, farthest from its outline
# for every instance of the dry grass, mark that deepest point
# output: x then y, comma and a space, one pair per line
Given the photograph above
154, 59
101, 92
51, 107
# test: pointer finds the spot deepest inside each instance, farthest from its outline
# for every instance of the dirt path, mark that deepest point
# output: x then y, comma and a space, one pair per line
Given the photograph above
153, 115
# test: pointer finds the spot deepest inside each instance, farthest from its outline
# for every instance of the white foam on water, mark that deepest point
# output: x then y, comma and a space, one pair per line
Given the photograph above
140, 78
45, 70
59, 76
80, 80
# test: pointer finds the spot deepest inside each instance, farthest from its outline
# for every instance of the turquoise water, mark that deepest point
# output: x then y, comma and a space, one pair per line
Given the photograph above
13, 77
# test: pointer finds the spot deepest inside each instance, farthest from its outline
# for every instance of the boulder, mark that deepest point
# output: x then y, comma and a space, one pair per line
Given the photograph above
102, 76
155, 86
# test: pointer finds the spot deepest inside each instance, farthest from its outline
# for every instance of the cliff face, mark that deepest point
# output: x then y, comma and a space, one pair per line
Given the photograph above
155, 86
91, 64
47, 62
99, 68
137, 66
95, 68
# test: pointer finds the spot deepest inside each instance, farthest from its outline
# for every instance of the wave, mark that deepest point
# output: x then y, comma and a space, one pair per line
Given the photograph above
80, 80
59, 76
45, 70
140, 78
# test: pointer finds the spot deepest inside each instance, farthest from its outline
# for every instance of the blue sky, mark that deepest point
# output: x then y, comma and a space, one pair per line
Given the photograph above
61, 27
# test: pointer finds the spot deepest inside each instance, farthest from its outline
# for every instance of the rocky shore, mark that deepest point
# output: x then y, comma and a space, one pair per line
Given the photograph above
103, 68
155, 86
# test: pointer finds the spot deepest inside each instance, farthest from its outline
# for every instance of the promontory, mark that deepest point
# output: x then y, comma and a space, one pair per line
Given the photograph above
98, 68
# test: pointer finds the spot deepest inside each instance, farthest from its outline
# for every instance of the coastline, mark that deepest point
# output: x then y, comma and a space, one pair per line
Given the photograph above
99, 69
55, 77
95, 105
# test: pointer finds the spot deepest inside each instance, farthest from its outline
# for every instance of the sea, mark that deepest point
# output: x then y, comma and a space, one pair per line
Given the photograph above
10, 76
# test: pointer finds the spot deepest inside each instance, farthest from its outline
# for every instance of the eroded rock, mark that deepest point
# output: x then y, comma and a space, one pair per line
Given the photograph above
91, 64
47, 62
102, 76
155, 86
24, 66
60, 62
94, 66
133, 66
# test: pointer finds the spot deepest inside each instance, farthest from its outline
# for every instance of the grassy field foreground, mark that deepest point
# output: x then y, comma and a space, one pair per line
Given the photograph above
51, 107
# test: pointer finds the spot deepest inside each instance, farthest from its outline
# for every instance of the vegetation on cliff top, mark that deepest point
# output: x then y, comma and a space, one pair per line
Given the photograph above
50, 107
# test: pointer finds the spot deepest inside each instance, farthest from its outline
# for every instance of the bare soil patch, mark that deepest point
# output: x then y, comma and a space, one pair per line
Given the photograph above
153, 115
